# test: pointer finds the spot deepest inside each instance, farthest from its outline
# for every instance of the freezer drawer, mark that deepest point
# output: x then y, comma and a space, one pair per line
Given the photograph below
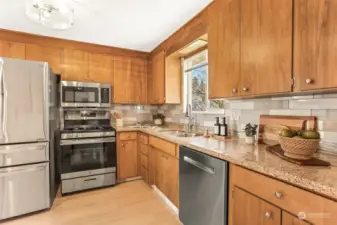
12, 155
85, 183
24, 189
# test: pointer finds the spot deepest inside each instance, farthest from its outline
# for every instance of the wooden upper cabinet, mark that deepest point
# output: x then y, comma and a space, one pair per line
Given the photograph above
250, 210
45, 54
173, 77
266, 46
123, 84
12, 49
224, 48
75, 65
139, 79
157, 79
101, 68
288, 219
315, 44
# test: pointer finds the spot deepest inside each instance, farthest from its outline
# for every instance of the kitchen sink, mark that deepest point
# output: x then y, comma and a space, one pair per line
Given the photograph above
178, 133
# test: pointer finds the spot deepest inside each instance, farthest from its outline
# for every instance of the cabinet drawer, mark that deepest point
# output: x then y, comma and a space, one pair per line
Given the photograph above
163, 146
144, 149
127, 136
144, 174
143, 138
143, 161
314, 208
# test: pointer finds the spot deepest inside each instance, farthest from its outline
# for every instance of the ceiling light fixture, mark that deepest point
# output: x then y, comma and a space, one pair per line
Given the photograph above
56, 14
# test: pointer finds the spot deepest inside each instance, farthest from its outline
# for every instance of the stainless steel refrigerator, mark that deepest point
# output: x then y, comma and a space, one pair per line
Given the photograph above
28, 122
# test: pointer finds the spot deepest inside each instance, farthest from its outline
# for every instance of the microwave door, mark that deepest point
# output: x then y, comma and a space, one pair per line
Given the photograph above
24, 101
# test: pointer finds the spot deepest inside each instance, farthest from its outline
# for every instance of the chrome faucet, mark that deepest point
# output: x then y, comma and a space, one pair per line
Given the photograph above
188, 127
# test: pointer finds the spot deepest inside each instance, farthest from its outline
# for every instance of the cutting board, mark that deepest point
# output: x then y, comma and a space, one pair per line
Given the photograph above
270, 126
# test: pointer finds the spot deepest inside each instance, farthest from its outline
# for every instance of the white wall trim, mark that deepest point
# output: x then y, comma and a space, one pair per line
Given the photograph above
166, 200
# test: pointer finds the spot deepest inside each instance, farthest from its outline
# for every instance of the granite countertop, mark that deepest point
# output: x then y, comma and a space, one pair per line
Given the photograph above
322, 180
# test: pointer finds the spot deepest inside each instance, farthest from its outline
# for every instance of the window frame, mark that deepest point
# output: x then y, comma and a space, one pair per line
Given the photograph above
187, 84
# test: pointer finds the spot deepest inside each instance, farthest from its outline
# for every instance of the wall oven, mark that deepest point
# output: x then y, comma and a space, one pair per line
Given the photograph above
84, 94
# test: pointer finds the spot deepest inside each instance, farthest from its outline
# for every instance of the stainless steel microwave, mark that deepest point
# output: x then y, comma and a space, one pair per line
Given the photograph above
84, 94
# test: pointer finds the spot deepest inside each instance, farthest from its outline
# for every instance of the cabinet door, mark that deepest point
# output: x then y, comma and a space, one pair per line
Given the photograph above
266, 46
127, 159
152, 164
12, 49
45, 54
166, 176
139, 79
288, 219
123, 84
250, 210
101, 68
173, 77
315, 44
157, 80
75, 65
224, 48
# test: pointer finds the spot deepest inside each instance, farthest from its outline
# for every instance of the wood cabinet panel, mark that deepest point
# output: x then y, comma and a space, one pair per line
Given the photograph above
266, 46
224, 48
162, 145
144, 174
143, 148
173, 77
45, 54
166, 176
123, 84
143, 138
288, 219
124, 136
315, 44
250, 210
152, 164
101, 68
12, 49
127, 160
139, 79
156, 80
287, 197
144, 161
75, 65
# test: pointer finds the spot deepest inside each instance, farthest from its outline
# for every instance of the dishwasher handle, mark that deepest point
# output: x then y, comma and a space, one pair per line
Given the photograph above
199, 165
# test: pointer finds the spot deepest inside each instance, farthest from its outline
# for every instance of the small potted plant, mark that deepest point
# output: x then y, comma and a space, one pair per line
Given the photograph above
158, 119
250, 131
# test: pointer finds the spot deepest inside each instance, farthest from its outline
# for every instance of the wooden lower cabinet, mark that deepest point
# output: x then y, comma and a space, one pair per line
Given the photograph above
127, 158
250, 210
166, 176
288, 219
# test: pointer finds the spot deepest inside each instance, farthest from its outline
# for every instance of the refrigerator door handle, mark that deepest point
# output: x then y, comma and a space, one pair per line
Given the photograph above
9, 171
2, 99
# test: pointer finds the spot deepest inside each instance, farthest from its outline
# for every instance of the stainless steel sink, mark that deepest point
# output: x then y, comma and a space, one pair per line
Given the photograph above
178, 133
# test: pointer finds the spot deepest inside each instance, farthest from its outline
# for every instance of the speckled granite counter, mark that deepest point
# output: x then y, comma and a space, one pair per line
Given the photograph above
317, 179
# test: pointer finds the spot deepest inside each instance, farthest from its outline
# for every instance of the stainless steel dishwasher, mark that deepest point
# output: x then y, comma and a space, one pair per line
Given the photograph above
203, 188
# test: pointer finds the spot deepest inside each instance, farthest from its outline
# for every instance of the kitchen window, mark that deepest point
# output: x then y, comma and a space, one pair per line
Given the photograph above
196, 85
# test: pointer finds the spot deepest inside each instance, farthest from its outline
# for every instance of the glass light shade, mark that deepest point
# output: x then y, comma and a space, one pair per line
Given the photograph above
54, 14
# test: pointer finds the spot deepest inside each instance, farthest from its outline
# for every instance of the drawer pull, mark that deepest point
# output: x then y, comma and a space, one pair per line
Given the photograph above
268, 215
278, 195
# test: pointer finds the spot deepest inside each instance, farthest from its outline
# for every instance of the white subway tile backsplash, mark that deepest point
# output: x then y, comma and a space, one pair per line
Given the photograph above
290, 112
241, 105
313, 104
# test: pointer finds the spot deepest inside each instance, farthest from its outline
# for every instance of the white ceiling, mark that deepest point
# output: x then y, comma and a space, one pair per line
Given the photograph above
133, 24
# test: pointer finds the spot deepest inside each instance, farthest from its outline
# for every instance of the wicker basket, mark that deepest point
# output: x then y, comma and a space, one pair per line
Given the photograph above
302, 149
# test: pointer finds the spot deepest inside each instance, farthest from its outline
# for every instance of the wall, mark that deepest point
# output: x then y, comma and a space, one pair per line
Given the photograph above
324, 107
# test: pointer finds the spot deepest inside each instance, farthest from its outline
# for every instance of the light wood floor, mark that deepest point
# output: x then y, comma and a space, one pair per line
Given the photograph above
126, 204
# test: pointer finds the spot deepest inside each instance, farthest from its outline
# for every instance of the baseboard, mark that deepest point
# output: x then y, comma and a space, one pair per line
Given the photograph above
129, 179
166, 200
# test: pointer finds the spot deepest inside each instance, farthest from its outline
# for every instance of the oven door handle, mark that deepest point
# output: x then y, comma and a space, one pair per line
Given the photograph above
87, 141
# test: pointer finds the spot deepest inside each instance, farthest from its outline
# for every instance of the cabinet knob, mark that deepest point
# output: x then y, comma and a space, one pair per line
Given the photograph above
278, 195
308, 81
245, 89
235, 90
268, 215
123, 145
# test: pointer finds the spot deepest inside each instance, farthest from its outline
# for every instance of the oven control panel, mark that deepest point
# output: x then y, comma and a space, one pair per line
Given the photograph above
88, 135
